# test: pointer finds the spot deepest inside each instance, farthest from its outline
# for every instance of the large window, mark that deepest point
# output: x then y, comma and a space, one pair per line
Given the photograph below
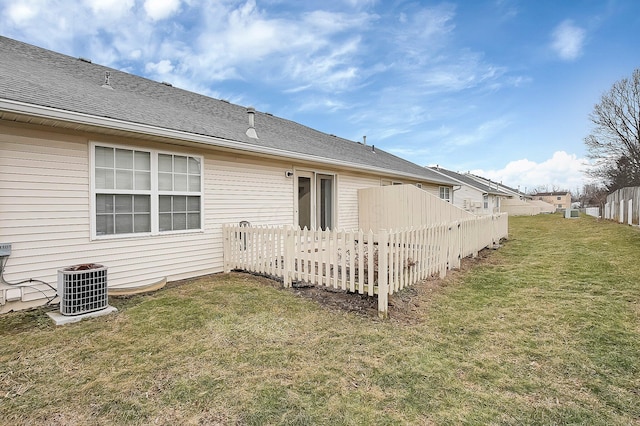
138, 191
178, 183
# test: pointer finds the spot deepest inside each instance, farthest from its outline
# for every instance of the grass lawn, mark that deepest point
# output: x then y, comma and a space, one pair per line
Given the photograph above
545, 330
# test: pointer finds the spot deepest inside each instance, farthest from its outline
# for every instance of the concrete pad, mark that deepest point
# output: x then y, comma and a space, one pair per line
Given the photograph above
60, 319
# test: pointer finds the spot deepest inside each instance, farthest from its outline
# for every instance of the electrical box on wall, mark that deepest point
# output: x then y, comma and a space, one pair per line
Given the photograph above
5, 249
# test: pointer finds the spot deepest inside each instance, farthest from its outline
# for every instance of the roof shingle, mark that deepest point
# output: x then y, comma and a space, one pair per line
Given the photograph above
41, 77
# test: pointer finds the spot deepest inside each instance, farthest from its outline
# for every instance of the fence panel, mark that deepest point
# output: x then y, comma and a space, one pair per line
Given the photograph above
373, 263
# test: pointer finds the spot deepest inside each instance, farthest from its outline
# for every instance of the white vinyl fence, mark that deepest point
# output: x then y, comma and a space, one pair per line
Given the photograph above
364, 262
623, 206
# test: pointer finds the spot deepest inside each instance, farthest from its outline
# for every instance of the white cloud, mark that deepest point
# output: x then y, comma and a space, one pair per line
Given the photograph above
21, 12
161, 9
111, 7
561, 171
161, 68
568, 40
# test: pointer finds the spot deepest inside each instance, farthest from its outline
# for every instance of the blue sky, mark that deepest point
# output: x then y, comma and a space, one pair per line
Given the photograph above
502, 88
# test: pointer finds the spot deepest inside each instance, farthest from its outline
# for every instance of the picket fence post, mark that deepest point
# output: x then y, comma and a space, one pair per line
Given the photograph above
383, 270
289, 253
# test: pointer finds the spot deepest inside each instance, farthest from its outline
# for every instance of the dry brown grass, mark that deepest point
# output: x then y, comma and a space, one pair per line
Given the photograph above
542, 331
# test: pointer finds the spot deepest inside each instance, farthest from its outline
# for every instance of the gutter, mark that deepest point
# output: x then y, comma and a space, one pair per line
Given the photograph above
23, 108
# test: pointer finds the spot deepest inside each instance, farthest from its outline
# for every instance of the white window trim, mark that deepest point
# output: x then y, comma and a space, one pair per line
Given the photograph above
448, 191
154, 192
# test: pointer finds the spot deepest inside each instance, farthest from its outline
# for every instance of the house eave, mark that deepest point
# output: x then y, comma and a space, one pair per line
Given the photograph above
97, 122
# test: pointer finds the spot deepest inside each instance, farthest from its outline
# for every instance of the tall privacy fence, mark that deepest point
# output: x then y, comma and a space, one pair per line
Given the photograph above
623, 206
372, 263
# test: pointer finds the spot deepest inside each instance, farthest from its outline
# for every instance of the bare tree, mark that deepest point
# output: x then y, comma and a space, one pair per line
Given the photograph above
592, 195
614, 143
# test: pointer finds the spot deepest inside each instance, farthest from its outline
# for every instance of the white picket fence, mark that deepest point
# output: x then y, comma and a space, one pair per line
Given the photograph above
353, 260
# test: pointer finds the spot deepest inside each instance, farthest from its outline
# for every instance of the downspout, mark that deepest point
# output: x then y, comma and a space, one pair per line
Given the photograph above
453, 190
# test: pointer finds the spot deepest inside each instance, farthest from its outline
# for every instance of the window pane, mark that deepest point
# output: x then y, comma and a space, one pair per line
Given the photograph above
165, 203
325, 205
194, 166
104, 224
124, 204
142, 203
142, 160
104, 178
179, 204
179, 221
165, 181
193, 221
142, 223
179, 164
165, 222
194, 183
165, 163
179, 182
193, 204
104, 203
124, 179
124, 223
143, 180
104, 157
304, 202
124, 159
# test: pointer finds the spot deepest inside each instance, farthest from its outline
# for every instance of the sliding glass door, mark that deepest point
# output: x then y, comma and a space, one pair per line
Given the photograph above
316, 200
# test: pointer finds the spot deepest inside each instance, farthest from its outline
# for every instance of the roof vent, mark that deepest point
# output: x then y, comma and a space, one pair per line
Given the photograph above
84, 59
251, 131
107, 83
167, 84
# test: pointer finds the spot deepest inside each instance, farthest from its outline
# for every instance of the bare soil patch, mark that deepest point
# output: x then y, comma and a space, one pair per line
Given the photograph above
409, 305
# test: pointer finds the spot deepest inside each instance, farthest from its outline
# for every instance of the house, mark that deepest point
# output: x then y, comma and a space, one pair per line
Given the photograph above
559, 199
101, 166
518, 203
473, 195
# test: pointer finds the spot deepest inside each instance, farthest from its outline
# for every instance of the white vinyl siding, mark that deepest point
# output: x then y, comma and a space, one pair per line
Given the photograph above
348, 185
45, 212
46, 207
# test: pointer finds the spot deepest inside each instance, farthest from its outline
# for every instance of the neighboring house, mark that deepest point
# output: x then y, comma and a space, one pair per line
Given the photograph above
98, 165
518, 203
560, 200
513, 193
473, 195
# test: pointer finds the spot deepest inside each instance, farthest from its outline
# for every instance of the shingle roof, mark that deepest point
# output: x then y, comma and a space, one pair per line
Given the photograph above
550, 194
41, 77
501, 185
468, 180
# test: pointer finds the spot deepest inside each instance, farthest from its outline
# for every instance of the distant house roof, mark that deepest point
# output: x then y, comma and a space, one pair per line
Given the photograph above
73, 92
469, 181
499, 185
550, 194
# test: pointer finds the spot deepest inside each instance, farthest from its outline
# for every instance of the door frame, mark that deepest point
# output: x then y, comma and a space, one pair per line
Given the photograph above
314, 212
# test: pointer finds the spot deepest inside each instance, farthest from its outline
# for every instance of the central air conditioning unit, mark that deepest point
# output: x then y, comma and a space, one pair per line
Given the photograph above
82, 289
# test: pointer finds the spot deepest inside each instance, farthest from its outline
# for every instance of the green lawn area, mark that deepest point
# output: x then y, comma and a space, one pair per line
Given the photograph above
545, 330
